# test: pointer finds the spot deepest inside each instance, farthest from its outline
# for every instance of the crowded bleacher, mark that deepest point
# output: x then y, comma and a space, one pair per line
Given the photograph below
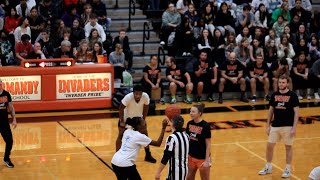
225, 43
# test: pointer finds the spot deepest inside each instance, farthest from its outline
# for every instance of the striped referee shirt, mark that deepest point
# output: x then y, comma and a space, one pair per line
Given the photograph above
176, 152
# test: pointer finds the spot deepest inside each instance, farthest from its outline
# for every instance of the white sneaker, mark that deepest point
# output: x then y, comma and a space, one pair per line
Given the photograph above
286, 173
265, 170
300, 97
184, 54
162, 43
188, 54
316, 96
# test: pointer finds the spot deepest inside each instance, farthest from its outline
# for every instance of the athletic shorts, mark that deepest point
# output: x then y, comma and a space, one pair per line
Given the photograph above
281, 133
194, 162
315, 173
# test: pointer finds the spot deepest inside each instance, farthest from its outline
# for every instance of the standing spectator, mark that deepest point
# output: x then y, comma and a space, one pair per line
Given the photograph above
178, 141
23, 9
117, 59
224, 20
22, 48
300, 75
258, 74
23, 28
232, 71
36, 24
151, 76
179, 79
171, 19
281, 124
315, 78
36, 53
124, 41
83, 54
64, 51
47, 45
199, 144
206, 76
282, 11
93, 24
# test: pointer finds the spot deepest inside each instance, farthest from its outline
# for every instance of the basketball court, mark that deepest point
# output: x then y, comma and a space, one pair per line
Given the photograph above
80, 144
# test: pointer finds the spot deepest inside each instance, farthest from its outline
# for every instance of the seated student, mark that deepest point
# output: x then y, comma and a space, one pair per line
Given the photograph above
315, 78
83, 53
36, 53
47, 45
178, 78
98, 50
151, 76
258, 73
64, 51
6, 54
279, 68
22, 48
206, 76
117, 59
299, 74
232, 72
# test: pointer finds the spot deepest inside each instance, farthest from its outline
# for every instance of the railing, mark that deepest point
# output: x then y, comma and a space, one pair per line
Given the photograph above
117, 5
132, 12
161, 61
145, 36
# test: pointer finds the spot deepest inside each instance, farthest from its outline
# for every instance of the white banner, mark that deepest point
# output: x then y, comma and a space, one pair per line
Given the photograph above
76, 86
22, 88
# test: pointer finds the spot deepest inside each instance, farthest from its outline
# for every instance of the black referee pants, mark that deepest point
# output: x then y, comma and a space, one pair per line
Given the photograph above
7, 137
126, 173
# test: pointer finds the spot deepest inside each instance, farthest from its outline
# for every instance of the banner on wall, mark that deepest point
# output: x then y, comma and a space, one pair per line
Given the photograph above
23, 88
77, 86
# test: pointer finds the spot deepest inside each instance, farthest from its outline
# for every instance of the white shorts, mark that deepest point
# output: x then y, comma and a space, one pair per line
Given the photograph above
281, 133
315, 173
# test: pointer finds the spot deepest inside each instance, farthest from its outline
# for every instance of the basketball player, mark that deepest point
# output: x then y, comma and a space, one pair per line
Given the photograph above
134, 104
176, 152
200, 143
5, 103
315, 174
284, 110
123, 161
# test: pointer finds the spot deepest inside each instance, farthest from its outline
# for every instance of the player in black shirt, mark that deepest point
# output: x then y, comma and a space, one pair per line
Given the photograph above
5, 104
299, 74
178, 78
232, 71
258, 73
283, 118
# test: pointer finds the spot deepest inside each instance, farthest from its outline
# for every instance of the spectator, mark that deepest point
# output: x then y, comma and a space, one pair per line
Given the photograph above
194, 20
301, 47
117, 59
256, 4
47, 45
242, 52
182, 6
64, 51
10, 24
23, 28
278, 26
124, 41
36, 53
48, 12
232, 72
315, 78
59, 30
282, 11
218, 45
300, 75
295, 23
93, 38
258, 74
246, 19
185, 37
171, 19
259, 35
300, 34
6, 54
98, 50
85, 17
179, 79
208, 17
204, 42
23, 9
36, 24
261, 16
305, 4
272, 36
93, 24
287, 32
244, 34
231, 44
270, 52
151, 76
77, 32
285, 50
22, 48
314, 48
100, 9
303, 15
83, 54
206, 76
70, 15
224, 20
256, 50
67, 36
278, 69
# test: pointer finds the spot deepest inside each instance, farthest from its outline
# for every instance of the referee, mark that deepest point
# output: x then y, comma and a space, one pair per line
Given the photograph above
5, 103
176, 152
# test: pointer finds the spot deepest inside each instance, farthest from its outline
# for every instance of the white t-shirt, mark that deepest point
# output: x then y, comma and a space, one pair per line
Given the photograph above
130, 147
315, 173
134, 109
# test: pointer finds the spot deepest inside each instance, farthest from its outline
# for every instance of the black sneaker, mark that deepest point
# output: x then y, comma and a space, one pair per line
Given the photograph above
8, 163
267, 98
150, 159
244, 99
254, 98
220, 101
199, 99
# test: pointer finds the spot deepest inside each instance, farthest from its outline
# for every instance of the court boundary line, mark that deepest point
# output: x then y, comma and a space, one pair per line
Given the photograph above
263, 159
78, 139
